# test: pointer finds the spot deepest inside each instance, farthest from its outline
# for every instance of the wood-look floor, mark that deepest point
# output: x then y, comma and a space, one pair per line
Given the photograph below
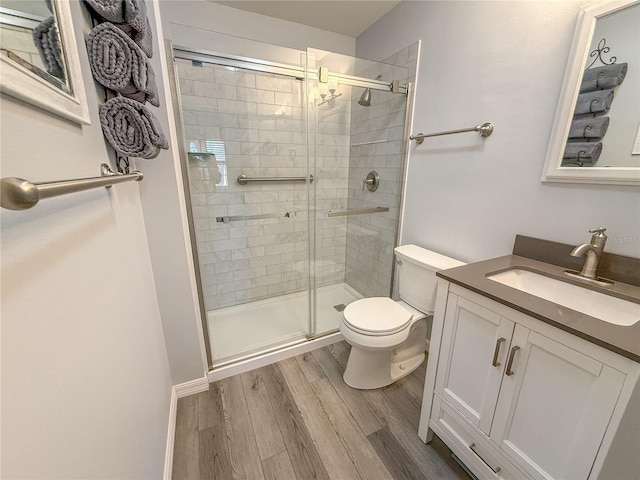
297, 419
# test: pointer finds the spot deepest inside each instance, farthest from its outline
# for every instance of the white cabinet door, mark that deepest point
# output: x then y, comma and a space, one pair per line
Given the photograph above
554, 407
475, 343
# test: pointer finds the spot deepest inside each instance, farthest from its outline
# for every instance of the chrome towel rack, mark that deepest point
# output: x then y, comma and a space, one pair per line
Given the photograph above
356, 211
243, 179
21, 194
242, 218
484, 130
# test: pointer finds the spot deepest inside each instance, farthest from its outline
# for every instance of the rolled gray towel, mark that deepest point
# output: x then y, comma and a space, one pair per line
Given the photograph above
143, 38
594, 102
46, 40
581, 152
130, 16
600, 78
590, 128
131, 128
120, 65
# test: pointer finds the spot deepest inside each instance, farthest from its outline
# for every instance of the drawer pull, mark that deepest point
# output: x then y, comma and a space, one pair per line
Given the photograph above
509, 372
496, 352
473, 449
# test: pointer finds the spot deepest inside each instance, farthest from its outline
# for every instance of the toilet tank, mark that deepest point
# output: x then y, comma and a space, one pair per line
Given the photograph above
417, 275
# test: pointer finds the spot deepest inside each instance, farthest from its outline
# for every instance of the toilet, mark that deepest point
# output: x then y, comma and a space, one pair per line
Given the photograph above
387, 337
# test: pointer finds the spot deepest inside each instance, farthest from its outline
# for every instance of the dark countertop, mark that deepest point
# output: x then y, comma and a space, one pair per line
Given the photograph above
624, 340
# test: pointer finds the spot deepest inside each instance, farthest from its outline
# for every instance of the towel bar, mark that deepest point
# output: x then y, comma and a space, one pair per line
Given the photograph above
242, 218
21, 194
484, 130
356, 211
243, 179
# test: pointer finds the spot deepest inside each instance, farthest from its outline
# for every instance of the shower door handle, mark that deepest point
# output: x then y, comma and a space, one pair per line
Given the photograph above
357, 211
243, 218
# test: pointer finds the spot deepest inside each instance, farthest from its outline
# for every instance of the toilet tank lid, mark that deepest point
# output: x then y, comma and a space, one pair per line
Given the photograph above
426, 258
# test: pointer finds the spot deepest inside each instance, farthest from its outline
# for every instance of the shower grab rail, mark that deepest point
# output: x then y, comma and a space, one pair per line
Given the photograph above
243, 179
369, 143
484, 130
356, 211
21, 194
242, 218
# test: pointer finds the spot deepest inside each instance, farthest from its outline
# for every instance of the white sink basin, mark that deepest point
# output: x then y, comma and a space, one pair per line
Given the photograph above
604, 307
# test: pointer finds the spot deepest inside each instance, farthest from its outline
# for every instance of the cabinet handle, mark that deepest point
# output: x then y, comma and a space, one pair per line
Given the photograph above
509, 372
496, 352
473, 449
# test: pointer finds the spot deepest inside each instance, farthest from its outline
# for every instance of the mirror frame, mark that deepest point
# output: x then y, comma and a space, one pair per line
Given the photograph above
578, 57
19, 82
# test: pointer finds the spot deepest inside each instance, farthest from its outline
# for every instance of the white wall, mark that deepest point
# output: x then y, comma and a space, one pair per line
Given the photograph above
209, 16
85, 378
165, 220
501, 62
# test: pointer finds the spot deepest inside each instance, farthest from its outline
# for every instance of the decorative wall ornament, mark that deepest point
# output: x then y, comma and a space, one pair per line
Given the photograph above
597, 53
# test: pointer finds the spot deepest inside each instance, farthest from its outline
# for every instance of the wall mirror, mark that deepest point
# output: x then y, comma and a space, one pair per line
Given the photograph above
596, 132
39, 57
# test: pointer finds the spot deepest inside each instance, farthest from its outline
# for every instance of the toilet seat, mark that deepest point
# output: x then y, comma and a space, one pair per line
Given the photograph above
376, 316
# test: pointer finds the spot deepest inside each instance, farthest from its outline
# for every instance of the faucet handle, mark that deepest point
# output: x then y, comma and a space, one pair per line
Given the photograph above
598, 233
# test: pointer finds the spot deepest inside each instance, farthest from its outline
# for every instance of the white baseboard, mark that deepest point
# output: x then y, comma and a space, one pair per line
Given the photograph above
193, 386
171, 436
272, 357
178, 391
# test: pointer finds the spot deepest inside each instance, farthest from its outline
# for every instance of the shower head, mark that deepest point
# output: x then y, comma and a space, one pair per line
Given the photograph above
365, 98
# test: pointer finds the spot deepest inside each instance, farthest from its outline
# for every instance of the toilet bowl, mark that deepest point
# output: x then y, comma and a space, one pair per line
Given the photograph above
387, 337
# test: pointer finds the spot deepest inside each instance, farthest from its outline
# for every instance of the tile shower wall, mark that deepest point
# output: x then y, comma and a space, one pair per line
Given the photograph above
332, 171
19, 40
253, 124
377, 143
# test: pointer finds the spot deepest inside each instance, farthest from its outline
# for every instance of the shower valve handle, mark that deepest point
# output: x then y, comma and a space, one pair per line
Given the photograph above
371, 182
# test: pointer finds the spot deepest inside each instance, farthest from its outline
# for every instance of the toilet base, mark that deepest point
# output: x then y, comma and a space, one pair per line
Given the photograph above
367, 369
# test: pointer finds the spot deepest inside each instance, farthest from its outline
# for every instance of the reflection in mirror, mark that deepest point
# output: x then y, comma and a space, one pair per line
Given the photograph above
595, 136
606, 117
29, 36
39, 56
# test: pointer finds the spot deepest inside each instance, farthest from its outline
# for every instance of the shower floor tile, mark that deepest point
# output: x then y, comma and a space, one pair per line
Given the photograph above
252, 327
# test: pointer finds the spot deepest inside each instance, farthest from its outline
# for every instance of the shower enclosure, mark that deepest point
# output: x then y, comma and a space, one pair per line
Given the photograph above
294, 189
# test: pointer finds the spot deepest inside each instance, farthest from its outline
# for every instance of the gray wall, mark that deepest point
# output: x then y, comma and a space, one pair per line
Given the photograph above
502, 62
85, 379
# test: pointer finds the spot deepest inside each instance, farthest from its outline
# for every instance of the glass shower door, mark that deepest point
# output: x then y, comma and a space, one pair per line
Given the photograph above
286, 230
356, 141
247, 169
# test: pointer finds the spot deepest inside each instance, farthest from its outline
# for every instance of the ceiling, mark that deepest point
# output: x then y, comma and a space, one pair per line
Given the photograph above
347, 17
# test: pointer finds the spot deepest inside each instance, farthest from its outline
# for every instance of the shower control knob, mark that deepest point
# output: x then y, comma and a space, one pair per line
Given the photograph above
371, 182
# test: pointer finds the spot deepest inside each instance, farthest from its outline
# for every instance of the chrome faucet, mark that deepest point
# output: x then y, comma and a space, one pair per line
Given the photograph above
592, 252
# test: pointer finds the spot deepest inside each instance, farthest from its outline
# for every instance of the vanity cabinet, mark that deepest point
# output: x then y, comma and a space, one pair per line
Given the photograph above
515, 397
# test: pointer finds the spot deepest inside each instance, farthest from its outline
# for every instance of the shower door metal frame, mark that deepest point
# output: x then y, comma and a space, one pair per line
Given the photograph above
257, 65
247, 63
358, 82
174, 86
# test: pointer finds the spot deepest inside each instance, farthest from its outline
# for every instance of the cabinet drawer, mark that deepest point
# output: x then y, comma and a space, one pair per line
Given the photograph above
470, 445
